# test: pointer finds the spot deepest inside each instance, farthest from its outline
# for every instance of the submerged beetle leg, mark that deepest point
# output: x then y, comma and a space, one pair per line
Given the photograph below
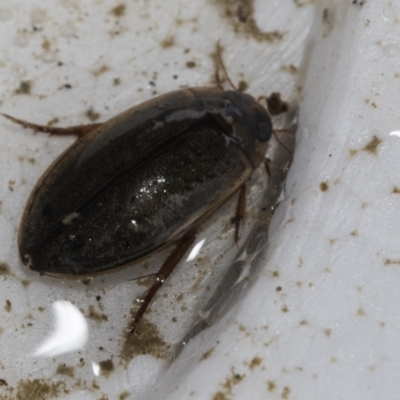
77, 130
269, 162
240, 211
169, 265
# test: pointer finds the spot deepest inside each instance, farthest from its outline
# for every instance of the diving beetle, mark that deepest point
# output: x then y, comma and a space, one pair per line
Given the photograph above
140, 181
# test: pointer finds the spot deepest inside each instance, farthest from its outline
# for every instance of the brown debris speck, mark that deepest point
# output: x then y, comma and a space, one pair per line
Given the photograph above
63, 369
92, 115
255, 362
324, 186
119, 10
24, 88
276, 105
167, 42
207, 354
285, 393
7, 307
372, 145
106, 367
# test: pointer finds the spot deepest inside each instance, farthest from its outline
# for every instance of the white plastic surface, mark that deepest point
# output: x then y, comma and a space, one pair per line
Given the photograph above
322, 321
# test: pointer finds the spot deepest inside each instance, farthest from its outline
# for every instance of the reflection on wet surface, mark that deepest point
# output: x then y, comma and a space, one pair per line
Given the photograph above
70, 334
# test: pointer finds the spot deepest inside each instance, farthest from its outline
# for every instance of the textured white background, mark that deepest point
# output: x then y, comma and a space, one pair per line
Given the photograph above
331, 330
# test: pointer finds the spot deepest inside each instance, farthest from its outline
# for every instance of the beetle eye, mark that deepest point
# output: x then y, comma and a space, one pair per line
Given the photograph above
264, 131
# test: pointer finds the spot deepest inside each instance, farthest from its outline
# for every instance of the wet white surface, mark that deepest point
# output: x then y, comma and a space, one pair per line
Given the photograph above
322, 319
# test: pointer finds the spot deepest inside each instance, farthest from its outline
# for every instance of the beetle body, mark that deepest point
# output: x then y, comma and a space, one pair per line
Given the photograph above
142, 180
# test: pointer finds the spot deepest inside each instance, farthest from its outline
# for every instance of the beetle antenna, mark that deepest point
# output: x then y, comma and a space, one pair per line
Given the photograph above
220, 63
218, 79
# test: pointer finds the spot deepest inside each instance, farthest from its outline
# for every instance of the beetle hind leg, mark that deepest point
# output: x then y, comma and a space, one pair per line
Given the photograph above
166, 269
77, 130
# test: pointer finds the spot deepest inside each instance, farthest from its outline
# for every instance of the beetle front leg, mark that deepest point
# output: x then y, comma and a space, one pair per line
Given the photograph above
166, 269
77, 130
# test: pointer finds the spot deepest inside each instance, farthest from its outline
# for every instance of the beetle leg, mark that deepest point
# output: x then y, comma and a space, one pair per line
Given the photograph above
240, 211
267, 168
269, 162
274, 132
77, 130
169, 265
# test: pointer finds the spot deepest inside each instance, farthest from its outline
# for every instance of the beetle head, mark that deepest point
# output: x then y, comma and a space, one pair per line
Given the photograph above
253, 115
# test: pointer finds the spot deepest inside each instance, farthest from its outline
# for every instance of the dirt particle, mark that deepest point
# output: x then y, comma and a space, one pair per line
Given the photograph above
285, 308
231, 382
390, 262
145, 340
24, 88
190, 64
255, 362
124, 395
352, 152
116, 81
92, 115
3, 382
46, 44
119, 10
240, 15
271, 386
63, 369
167, 42
328, 332
11, 184
242, 86
37, 389
372, 145
207, 354
276, 105
4, 269
219, 396
324, 186
291, 69
96, 315
101, 70
285, 393
328, 21
106, 367
278, 288
7, 307
396, 190
360, 312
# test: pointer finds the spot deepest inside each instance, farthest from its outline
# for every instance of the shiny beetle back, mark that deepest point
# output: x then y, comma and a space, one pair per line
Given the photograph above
142, 180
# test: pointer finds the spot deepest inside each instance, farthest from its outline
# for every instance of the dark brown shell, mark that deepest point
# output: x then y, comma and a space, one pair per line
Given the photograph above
141, 180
